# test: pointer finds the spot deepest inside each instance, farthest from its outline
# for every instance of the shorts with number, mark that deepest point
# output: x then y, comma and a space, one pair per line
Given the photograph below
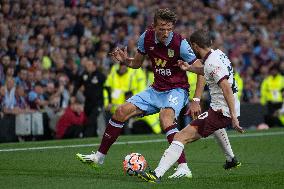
210, 121
151, 101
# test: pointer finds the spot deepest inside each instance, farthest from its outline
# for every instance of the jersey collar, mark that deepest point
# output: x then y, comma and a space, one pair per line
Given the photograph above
168, 40
206, 56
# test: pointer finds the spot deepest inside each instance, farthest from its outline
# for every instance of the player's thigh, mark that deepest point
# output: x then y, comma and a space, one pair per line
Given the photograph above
167, 117
145, 101
187, 135
126, 111
175, 99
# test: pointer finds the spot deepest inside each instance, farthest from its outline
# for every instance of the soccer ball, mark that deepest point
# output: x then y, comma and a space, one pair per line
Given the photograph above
134, 162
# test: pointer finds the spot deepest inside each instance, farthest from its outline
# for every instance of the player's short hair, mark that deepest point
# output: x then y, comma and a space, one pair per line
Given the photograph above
201, 38
165, 14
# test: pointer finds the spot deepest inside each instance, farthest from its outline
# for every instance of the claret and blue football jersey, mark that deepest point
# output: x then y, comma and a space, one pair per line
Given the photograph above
164, 57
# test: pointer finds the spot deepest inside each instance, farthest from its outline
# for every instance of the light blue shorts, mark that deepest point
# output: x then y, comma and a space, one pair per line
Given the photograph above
151, 101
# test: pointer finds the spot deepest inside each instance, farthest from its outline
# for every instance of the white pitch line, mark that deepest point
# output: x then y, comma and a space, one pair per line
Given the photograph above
133, 142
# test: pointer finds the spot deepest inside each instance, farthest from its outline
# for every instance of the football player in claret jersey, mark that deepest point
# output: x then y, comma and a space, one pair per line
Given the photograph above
224, 107
169, 92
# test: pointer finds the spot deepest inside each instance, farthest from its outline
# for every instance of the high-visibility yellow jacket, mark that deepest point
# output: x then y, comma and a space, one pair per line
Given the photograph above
131, 81
271, 89
192, 80
281, 117
240, 84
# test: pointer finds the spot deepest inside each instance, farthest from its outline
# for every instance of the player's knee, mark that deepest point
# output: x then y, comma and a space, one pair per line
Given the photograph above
180, 137
120, 114
165, 124
166, 119
186, 136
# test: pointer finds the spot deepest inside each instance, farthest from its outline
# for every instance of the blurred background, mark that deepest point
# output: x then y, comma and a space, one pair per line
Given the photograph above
58, 81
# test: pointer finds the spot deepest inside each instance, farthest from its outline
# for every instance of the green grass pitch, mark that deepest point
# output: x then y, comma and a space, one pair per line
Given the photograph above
50, 165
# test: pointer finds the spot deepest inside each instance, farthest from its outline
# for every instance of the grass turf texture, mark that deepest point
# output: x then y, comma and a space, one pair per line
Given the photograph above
262, 160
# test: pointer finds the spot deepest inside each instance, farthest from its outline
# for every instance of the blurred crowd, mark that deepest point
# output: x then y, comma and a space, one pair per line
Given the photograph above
46, 47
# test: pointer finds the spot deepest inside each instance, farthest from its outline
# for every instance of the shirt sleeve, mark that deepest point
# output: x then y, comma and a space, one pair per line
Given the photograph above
186, 52
140, 44
217, 72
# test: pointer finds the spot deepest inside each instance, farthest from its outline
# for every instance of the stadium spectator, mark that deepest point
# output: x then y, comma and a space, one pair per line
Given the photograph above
250, 91
21, 102
2, 95
21, 79
93, 82
271, 94
14, 101
122, 85
63, 90
51, 95
71, 123
9, 100
36, 99
10, 71
280, 112
5, 61
31, 80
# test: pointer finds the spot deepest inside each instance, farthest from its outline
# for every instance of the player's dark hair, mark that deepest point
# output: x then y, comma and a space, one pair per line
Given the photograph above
165, 14
201, 38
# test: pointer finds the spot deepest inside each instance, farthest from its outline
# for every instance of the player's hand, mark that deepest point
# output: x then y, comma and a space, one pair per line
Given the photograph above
184, 65
119, 55
236, 125
194, 110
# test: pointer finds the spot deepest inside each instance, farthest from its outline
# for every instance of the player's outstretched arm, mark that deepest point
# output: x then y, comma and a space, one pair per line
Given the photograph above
121, 56
229, 97
194, 108
196, 67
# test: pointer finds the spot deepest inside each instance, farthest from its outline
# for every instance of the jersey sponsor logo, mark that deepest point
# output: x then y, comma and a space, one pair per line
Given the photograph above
215, 71
171, 53
160, 62
163, 72
151, 48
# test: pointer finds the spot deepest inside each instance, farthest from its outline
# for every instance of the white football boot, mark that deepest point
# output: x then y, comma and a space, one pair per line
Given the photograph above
90, 159
181, 171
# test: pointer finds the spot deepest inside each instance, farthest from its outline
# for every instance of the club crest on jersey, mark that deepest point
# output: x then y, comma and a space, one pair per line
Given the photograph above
95, 80
171, 53
160, 62
85, 77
